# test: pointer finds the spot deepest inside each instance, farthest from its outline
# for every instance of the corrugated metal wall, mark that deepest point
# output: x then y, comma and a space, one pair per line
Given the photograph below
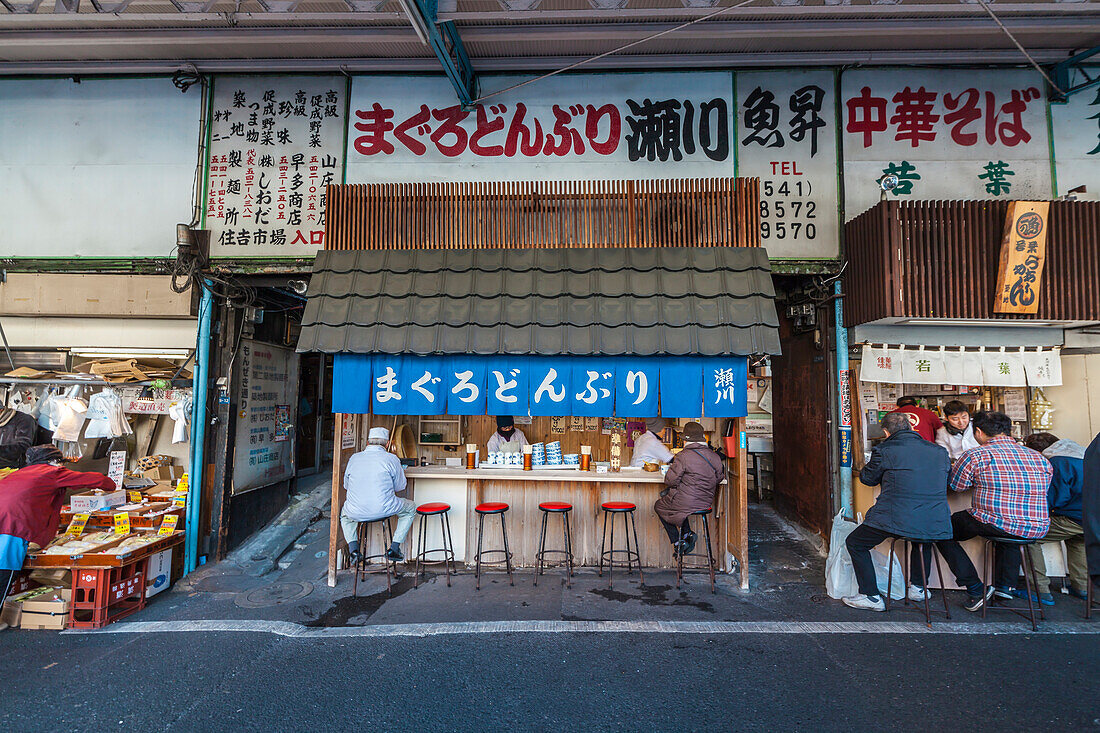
720, 212
938, 259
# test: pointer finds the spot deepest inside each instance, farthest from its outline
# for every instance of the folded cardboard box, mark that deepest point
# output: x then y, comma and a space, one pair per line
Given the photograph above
38, 598
163, 473
48, 611
96, 501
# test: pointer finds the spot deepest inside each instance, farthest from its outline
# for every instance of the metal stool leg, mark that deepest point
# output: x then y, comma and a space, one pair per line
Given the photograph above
710, 554
448, 545
420, 546
477, 558
637, 548
923, 579
1088, 599
603, 540
679, 562
507, 554
889, 571
568, 548
626, 535
987, 572
542, 547
1024, 559
357, 568
943, 585
611, 557
387, 540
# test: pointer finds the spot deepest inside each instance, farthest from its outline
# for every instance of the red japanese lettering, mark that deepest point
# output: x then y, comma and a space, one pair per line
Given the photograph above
568, 139
452, 118
1011, 132
376, 123
963, 112
485, 128
913, 115
866, 115
420, 121
592, 128
520, 137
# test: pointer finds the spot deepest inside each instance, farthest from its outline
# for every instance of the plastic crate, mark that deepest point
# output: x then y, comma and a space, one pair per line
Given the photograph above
104, 595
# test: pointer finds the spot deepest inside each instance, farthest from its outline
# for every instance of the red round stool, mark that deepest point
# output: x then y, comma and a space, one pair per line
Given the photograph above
562, 508
442, 511
492, 507
626, 510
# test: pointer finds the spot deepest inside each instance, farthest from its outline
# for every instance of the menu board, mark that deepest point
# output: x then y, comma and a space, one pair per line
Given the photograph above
267, 410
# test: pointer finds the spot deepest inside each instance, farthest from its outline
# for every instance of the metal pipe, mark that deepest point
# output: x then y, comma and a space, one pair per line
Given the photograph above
198, 430
844, 393
87, 382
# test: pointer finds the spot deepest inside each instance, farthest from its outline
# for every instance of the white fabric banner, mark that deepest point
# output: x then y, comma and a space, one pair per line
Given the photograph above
1003, 369
923, 366
1043, 368
879, 365
963, 367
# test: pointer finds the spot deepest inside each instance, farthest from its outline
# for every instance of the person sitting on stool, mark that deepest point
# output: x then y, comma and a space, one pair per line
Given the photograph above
912, 503
692, 479
372, 480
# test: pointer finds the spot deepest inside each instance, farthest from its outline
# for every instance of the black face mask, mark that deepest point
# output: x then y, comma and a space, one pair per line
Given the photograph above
506, 432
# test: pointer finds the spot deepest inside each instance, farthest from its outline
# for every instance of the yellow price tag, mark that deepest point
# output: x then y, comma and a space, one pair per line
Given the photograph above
76, 524
168, 524
134, 496
122, 523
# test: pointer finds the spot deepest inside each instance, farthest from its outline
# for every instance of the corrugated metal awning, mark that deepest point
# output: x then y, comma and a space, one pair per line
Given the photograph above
706, 301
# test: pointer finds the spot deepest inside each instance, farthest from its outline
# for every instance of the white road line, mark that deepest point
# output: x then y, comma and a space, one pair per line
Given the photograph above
297, 631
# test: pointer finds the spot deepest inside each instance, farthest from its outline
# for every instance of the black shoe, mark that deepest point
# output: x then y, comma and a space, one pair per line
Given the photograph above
975, 603
394, 555
688, 543
354, 558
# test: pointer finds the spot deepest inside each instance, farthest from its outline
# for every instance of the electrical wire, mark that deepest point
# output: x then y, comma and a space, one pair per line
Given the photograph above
613, 51
1011, 37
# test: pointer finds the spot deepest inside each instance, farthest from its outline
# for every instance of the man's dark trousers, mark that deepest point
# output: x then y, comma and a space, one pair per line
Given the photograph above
1007, 560
860, 543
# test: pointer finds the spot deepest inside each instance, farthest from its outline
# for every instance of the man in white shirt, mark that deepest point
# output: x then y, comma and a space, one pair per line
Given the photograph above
373, 479
507, 438
648, 448
957, 434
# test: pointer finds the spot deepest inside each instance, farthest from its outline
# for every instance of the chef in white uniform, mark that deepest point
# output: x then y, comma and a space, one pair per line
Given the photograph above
648, 448
507, 438
957, 434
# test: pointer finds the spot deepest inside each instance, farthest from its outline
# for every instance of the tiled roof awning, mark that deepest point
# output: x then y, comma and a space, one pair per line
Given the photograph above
706, 301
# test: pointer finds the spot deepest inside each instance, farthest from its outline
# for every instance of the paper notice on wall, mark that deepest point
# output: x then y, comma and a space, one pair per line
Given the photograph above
1016, 404
117, 467
557, 425
765, 401
576, 424
591, 424
347, 433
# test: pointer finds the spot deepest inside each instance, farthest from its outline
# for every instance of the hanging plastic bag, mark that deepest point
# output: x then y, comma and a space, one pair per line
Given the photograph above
840, 575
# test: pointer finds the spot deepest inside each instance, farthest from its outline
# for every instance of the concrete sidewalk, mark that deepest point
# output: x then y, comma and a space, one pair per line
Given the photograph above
786, 578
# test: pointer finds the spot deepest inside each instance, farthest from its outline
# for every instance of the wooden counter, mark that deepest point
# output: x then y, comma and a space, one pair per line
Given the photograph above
523, 491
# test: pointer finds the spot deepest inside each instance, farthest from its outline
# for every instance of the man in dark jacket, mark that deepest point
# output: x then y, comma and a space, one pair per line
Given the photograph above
17, 432
692, 478
1064, 500
912, 503
1090, 494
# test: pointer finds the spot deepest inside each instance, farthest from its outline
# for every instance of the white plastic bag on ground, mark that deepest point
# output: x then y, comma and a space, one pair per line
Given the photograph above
840, 576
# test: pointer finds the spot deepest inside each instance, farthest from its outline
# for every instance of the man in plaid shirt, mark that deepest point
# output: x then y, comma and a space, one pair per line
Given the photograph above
1010, 500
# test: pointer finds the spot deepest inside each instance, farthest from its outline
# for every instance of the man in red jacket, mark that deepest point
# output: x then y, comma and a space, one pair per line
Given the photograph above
30, 505
924, 421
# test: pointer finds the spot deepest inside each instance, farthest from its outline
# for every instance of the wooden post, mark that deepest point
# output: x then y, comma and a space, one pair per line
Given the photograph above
737, 514
334, 507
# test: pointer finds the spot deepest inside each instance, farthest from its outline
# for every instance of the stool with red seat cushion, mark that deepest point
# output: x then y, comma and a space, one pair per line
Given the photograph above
562, 508
709, 556
490, 508
626, 510
365, 559
442, 511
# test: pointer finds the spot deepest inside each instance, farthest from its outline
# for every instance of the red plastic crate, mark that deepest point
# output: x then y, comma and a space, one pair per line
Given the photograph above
104, 595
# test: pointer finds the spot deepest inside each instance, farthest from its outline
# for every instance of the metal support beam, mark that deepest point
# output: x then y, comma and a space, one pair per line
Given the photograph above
445, 42
1063, 75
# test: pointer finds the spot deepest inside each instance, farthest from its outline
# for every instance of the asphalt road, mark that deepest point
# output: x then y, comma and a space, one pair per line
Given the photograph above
552, 682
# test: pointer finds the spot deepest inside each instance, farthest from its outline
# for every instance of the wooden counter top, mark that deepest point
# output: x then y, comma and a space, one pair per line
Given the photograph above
626, 476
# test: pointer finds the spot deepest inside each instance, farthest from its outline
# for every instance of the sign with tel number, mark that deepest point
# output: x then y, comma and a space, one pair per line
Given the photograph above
122, 523
786, 135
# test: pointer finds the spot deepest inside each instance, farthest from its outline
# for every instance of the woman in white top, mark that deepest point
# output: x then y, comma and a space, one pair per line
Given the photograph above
648, 448
957, 434
507, 438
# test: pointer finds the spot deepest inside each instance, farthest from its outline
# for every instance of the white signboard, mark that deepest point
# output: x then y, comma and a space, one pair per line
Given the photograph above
957, 366
569, 127
266, 412
116, 468
1076, 126
276, 142
946, 134
99, 168
786, 129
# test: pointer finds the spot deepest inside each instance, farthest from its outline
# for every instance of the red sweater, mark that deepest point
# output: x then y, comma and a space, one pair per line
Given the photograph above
924, 421
31, 499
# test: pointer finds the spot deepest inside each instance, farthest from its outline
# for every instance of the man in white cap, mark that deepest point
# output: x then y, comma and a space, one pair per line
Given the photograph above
373, 479
648, 447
